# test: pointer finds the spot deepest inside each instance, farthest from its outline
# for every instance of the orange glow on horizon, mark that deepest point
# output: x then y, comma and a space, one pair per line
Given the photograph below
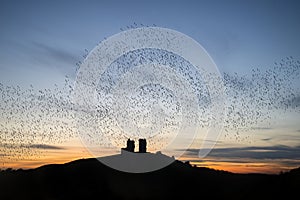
243, 168
65, 157
74, 151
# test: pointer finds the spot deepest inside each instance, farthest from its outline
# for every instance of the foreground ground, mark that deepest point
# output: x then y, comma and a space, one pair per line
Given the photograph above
89, 179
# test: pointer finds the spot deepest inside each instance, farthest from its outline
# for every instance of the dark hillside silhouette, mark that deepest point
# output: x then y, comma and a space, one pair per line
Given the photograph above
90, 179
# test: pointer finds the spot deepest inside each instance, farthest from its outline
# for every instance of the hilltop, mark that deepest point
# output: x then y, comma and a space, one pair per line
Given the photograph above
90, 179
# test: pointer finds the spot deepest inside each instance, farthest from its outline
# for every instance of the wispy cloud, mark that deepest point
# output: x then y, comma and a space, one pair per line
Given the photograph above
44, 146
269, 152
261, 128
29, 146
55, 56
266, 139
56, 53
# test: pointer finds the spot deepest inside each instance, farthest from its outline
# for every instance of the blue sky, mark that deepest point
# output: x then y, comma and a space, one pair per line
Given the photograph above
41, 41
41, 36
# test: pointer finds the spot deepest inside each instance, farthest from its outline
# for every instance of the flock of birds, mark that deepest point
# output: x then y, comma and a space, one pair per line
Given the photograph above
154, 109
30, 119
259, 97
29, 116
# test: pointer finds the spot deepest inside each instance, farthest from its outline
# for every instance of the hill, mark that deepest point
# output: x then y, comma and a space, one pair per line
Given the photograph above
90, 179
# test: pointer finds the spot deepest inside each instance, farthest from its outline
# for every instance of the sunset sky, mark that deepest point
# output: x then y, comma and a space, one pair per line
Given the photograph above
41, 42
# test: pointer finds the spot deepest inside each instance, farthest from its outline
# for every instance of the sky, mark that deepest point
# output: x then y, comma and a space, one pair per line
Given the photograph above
41, 42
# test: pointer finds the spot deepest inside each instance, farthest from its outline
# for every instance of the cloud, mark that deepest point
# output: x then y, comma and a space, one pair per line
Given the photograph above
55, 56
269, 152
261, 128
56, 53
44, 146
29, 146
266, 139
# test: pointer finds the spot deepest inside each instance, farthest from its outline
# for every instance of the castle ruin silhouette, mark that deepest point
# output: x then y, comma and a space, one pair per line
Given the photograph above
131, 146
